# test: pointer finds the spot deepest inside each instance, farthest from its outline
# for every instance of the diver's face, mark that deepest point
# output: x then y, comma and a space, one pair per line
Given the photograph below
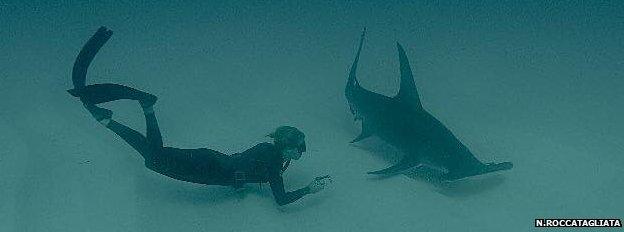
295, 152
291, 153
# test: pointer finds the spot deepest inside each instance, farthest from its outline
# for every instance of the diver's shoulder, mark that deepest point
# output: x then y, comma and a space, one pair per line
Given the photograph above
265, 146
268, 151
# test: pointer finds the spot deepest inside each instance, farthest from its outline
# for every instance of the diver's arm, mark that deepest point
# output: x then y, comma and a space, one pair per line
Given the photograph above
281, 196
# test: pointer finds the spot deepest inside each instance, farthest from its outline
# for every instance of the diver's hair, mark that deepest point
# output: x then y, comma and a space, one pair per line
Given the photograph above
286, 136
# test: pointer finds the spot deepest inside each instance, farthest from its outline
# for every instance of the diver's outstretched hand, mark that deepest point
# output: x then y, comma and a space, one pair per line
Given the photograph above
319, 183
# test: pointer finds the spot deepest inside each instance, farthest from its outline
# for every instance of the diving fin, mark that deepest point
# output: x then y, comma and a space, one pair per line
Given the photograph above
100, 93
86, 55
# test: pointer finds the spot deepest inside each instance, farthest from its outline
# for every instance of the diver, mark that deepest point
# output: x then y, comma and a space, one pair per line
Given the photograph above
265, 162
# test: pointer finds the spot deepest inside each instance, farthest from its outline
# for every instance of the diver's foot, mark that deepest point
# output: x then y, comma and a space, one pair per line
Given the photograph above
148, 110
148, 101
100, 114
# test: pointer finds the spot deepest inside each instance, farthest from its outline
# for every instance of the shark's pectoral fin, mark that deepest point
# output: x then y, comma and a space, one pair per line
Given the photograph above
493, 167
397, 168
408, 94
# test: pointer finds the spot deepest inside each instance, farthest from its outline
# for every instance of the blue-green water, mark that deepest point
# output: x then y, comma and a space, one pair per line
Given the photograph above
537, 83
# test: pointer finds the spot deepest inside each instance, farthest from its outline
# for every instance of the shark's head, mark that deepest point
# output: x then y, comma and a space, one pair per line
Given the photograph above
353, 90
362, 102
352, 93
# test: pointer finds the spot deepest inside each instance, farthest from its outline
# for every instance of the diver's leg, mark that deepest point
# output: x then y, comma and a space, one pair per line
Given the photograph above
135, 139
154, 138
132, 137
100, 114
493, 167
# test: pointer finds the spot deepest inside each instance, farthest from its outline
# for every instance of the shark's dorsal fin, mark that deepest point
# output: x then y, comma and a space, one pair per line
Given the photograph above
408, 94
367, 131
352, 78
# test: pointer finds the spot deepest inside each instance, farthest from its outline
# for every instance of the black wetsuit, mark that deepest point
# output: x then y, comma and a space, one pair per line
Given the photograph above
259, 164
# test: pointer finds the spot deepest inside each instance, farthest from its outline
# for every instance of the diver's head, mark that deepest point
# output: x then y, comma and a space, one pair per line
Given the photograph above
290, 141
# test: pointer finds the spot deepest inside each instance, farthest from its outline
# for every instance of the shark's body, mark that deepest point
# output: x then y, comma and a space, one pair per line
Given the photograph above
402, 122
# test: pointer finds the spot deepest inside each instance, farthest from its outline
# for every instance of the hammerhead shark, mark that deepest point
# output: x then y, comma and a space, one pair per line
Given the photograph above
402, 122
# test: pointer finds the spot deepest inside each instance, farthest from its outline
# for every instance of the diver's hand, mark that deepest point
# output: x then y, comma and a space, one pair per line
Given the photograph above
319, 183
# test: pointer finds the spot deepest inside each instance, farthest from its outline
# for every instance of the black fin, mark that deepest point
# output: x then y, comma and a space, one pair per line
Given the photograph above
487, 168
100, 93
408, 94
86, 55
